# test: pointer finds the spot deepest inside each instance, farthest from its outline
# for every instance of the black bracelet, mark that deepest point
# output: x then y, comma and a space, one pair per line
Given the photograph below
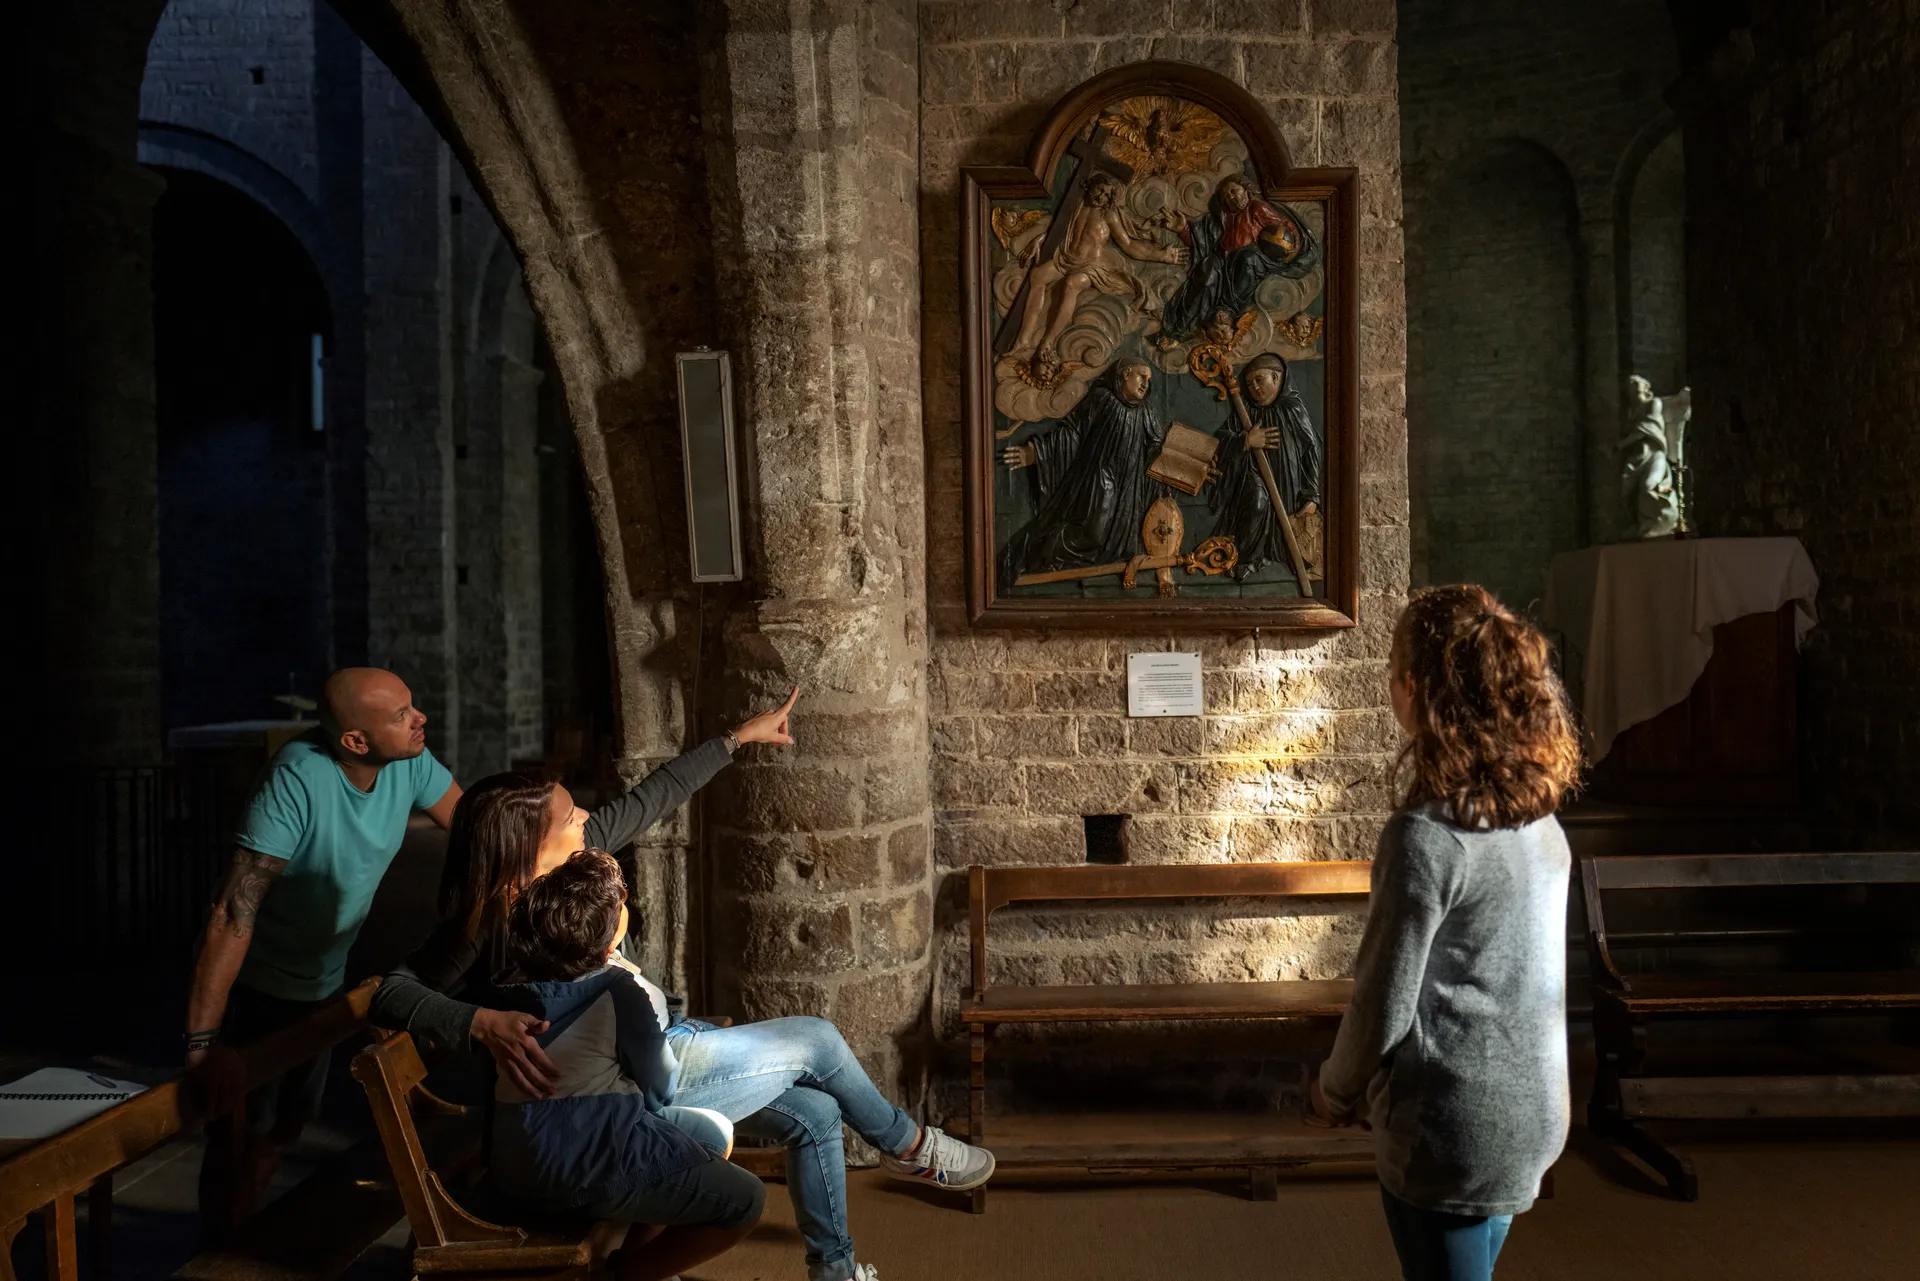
201, 1040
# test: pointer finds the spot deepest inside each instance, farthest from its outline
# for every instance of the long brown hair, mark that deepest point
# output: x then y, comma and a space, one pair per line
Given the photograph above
1493, 740
493, 845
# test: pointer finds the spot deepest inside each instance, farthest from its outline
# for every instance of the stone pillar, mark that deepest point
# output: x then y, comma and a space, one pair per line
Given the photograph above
822, 874
95, 486
1603, 375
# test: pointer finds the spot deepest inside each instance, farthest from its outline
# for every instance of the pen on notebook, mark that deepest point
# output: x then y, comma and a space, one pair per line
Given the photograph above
102, 1081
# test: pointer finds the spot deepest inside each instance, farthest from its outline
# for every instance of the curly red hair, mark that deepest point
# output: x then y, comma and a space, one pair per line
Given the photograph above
1493, 739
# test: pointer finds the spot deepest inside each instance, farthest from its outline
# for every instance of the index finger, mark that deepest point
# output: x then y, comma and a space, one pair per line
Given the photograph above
791, 700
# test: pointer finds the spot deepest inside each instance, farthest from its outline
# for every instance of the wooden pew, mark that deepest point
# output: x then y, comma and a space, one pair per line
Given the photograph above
1260, 1145
1626, 1006
45, 1179
449, 1241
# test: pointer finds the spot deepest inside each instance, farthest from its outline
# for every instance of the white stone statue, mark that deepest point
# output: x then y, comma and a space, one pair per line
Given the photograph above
1652, 460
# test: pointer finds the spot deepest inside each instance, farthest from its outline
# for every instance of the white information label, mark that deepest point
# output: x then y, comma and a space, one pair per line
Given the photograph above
1163, 685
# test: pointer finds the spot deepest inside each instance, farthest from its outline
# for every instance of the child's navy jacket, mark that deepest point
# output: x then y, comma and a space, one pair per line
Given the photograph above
600, 1135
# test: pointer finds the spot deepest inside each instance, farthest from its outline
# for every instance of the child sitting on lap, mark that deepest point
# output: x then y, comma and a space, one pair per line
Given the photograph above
608, 1144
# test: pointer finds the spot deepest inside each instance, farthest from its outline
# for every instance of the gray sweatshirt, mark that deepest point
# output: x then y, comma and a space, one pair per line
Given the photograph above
1455, 1043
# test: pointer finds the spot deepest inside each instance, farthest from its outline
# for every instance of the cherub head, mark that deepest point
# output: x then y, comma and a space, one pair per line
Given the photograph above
1263, 377
1132, 377
1220, 328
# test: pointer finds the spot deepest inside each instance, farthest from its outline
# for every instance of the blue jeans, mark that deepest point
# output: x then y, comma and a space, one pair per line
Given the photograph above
1444, 1247
794, 1080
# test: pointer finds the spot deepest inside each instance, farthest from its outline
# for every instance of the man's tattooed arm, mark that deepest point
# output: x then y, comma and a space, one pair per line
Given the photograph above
229, 934
251, 876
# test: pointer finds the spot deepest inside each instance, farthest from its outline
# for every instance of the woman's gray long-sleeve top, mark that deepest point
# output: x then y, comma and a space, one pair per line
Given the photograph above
1455, 1042
422, 996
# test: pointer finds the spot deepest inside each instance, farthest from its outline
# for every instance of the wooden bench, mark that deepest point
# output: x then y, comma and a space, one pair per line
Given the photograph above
1259, 1145
1625, 1006
45, 1177
449, 1241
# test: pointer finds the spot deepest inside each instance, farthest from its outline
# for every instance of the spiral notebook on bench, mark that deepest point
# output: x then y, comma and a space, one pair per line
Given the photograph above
53, 1099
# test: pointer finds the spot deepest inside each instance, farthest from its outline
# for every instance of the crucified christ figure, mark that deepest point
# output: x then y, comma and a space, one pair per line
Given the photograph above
1080, 263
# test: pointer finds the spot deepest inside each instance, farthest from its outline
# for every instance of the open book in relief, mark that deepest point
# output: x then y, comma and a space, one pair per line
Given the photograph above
1186, 459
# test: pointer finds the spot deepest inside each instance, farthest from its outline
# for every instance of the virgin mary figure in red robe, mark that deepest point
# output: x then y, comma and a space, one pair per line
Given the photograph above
1240, 241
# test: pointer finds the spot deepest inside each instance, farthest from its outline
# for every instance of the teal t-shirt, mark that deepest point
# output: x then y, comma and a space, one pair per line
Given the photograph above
338, 841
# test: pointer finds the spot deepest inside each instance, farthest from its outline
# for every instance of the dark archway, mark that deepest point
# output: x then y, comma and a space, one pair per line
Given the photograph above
1494, 382
239, 317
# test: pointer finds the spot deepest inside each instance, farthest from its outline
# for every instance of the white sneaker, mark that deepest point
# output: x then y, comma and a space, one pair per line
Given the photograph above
941, 1161
865, 1272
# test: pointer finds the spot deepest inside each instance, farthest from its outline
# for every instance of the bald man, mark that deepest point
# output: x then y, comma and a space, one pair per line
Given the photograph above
317, 837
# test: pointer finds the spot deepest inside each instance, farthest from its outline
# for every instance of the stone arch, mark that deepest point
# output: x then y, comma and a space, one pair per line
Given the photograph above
474, 70
169, 146
242, 492
1494, 372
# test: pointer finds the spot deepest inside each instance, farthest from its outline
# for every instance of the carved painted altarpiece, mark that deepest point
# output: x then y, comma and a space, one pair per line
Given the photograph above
1161, 381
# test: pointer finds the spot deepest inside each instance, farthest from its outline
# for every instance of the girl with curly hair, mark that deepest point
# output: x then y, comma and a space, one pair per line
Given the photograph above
1454, 1045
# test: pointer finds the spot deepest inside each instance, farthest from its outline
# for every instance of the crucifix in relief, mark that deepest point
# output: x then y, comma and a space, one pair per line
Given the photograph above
1072, 258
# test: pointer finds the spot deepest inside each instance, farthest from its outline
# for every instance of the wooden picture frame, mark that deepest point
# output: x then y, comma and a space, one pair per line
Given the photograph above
1002, 242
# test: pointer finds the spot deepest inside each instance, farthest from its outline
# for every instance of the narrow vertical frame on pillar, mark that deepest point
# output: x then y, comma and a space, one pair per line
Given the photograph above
708, 460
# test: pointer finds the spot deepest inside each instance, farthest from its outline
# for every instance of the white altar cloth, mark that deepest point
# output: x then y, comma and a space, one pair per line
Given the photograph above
1641, 615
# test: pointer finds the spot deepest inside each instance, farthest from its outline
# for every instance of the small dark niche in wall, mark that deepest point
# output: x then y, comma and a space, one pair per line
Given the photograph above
1106, 837
257, 74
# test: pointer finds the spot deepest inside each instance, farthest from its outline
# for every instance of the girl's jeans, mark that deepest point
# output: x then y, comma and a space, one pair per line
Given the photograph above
1444, 1247
794, 1080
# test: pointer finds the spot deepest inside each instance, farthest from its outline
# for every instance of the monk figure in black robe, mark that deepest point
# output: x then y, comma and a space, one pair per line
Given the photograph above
1239, 242
1091, 472
1239, 498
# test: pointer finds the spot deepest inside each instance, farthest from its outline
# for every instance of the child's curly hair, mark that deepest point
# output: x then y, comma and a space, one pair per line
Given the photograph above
1493, 739
561, 925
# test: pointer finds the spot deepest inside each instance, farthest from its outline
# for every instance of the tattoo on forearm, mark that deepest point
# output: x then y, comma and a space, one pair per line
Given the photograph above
247, 885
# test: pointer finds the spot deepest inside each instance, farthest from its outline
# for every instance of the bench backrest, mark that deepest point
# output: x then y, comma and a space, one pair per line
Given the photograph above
391, 1073
1725, 871
991, 888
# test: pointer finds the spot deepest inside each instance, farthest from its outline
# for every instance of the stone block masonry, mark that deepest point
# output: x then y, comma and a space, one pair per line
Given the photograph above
1029, 731
1803, 117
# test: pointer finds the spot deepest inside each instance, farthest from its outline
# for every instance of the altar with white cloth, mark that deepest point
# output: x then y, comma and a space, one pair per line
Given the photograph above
1681, 656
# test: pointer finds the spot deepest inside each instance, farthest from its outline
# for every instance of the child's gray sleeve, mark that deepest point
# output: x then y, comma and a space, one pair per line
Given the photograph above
1403, 914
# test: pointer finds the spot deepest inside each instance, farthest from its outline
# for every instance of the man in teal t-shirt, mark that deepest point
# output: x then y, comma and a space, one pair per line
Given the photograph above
318, 836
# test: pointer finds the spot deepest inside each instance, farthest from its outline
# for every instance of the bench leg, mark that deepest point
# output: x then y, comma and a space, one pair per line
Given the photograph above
1675, 1169
8, 1231
63, 1247
100, 1225
1263, 1183
977, 1108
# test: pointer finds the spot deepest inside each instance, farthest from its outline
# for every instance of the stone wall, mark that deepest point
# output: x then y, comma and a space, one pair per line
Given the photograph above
431, 422
1029, 730
1806, 376
1525, 128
